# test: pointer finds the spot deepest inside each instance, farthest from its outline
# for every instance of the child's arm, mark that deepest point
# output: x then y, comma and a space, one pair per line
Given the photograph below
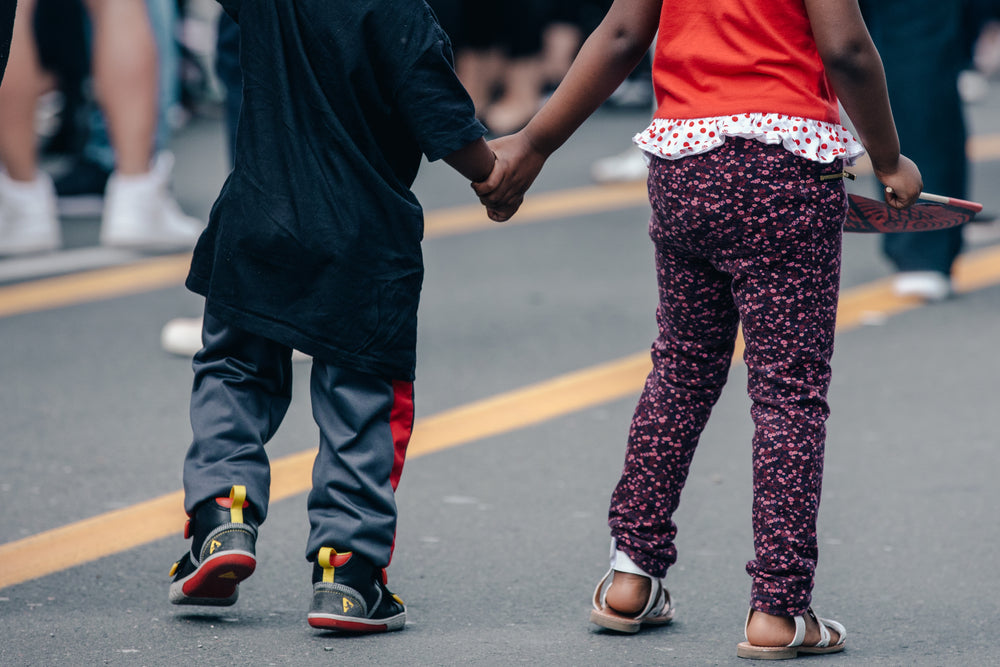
608, 56
475, 161
855, 69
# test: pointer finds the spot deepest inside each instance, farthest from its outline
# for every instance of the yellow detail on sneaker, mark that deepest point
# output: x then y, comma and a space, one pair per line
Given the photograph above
329, 560
173, 568
398, 599
228, 575
348, 605
324, 562
238, 494
212, 546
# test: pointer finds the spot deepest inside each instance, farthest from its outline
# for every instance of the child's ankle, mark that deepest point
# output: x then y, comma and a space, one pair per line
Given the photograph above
769, 630
628, 593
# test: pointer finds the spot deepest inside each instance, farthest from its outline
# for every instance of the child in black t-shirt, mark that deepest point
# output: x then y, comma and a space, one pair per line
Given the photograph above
314, 244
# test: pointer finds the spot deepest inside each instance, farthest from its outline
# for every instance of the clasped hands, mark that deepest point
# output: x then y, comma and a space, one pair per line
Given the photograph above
517, 165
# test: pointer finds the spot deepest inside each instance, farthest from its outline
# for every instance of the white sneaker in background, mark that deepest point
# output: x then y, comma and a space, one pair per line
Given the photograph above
622, 168
973, 86
140, 212
28, 220
926, 285
182, 336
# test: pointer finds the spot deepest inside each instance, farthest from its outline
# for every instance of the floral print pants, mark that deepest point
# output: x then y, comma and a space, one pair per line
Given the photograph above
745, 234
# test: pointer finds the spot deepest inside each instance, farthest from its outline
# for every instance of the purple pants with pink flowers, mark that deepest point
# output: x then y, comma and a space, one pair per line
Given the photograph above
745, 234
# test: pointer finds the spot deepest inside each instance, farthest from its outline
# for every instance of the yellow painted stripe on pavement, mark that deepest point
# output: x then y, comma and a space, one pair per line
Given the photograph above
123, 529
87, 286
170, 271
539, 207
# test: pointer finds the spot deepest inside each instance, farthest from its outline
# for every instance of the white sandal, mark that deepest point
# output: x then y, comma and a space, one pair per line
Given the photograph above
748, 650
659, 609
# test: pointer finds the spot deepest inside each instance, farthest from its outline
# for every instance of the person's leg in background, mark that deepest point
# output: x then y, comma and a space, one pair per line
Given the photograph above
920, 44
126, 80
28, 222
64, 51
162, 18
24, 81
478, 62
81, 189
520, 35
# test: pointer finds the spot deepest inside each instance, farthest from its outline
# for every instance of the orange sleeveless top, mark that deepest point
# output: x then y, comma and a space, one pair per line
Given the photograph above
746, 68
723, 57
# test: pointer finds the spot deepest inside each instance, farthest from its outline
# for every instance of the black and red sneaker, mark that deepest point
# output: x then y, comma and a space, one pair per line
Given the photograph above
223, 532
349, 595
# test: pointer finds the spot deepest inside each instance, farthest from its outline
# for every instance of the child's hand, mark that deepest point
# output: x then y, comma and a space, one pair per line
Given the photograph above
903, 184
517, 165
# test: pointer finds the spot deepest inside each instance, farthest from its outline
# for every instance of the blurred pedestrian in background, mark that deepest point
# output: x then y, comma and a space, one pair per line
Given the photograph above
138, 210
80, 187
509, 52
981, 44
921, 46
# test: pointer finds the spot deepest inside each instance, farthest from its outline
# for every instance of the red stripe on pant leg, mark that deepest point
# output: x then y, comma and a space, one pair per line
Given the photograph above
401, 423
401, 426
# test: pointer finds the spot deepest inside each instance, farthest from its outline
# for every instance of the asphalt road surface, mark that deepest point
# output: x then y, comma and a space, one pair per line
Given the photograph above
532, 350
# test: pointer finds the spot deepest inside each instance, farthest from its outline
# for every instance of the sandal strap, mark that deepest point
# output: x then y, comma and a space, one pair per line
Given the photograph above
662, 601
601, 592
825, 624
800, 631
838, 627
824, 632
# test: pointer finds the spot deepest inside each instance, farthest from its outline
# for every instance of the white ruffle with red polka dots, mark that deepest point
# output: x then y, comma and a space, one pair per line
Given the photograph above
815, 140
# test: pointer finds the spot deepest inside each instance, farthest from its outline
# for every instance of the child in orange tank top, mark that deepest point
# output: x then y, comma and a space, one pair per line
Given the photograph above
744, 151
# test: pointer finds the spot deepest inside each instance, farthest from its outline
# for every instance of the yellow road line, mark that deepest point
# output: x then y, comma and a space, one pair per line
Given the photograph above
170, 271
161, 517
539, 207
86, 286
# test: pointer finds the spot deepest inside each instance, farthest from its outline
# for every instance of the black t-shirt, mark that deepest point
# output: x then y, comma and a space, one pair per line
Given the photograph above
315, 238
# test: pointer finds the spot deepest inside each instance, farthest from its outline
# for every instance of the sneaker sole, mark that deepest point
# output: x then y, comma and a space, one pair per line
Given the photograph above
215, 581
357, 625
